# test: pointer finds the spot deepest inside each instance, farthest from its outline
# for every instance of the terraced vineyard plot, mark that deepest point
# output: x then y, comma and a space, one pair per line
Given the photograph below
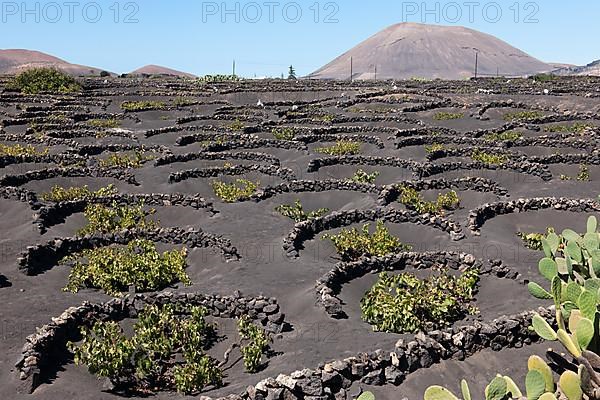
311, 221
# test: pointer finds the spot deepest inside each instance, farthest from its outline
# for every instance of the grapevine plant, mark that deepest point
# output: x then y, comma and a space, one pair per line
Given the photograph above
533, 241
283, 133
341, 148
362, 176
257, 344
413, 200
167, 350
116, 218
59, 194
115, 268
232, 192
18, 150
132, 106
488, 158
117, 160
404, 303
297, 213
351, 244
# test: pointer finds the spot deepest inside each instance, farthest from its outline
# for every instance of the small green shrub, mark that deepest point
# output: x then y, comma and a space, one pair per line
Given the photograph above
329, 118
361, 176
445, 116
237, 125
113, 268
125, 160
523, 116
533, 240
508, 136
489, 158
165, 351
297, 213
413, 200
58, 193
258, 344
544, 77
116, 218
341, 148
404, 303
578, 127
232, 192
434, 148
133, 106
180, 102
582, 176
38, 80
283, 133
351, 244
104, 123
18, 150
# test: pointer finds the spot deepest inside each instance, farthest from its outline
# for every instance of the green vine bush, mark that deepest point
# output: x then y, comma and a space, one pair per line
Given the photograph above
258, 344
404, 303
104, 123
181, 102
413, 200
165, 352
232, 192
434, 148
237, 125
297, 213
578, 127
488, 158
445, 116
18, 150
58, 193
133, 106
351, 244
283, 133
361, 176
533, 241
38, 80
115, 268
117, 160
582, 176
341, 148
116, 218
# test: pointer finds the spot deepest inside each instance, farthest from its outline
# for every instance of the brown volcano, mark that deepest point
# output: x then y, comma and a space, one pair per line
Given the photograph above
410, 50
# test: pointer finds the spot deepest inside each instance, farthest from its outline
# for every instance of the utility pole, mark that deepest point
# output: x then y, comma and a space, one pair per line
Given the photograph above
233, 68
476, 63
497, 72
351, 69
376, 72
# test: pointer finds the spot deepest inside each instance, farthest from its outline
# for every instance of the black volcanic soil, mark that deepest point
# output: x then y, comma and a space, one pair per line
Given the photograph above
257, 231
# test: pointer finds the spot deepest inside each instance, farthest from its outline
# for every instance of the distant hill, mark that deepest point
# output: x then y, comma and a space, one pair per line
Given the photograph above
13, 61
159, 70
561, 65
411, 50
592, 69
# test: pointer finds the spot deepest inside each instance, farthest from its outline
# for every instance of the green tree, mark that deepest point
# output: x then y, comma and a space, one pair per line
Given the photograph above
292, 73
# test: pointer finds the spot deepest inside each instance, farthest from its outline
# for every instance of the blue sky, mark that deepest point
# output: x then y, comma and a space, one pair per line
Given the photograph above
264, 37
